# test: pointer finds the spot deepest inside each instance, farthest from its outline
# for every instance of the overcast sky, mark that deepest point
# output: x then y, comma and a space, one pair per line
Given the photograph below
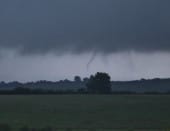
57, 39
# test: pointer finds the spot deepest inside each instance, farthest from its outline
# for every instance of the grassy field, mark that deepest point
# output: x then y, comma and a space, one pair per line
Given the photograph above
86, 111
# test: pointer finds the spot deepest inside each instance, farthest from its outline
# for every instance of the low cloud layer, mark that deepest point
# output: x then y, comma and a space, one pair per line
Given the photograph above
52, 67
81, 26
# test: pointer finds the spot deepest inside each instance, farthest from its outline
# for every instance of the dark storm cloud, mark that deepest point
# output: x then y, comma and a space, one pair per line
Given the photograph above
41, 26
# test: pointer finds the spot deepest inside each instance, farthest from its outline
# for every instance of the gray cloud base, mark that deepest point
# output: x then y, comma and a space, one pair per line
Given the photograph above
78, 26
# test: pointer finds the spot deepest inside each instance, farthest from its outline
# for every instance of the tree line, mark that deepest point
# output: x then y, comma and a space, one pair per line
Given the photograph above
99, 83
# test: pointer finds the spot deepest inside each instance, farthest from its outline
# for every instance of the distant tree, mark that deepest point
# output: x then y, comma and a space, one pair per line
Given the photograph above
77, 79
66, 81
85, 80
99, 83
142, 79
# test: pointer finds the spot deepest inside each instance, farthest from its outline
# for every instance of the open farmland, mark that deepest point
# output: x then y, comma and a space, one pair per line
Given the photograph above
86, 111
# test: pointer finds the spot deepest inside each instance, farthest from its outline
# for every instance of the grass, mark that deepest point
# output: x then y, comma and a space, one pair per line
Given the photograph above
86, 111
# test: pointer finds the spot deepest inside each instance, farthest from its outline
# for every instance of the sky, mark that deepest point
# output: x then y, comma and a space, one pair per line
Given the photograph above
58, 39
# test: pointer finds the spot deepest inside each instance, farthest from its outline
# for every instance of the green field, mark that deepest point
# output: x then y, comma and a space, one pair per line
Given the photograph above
86, 111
